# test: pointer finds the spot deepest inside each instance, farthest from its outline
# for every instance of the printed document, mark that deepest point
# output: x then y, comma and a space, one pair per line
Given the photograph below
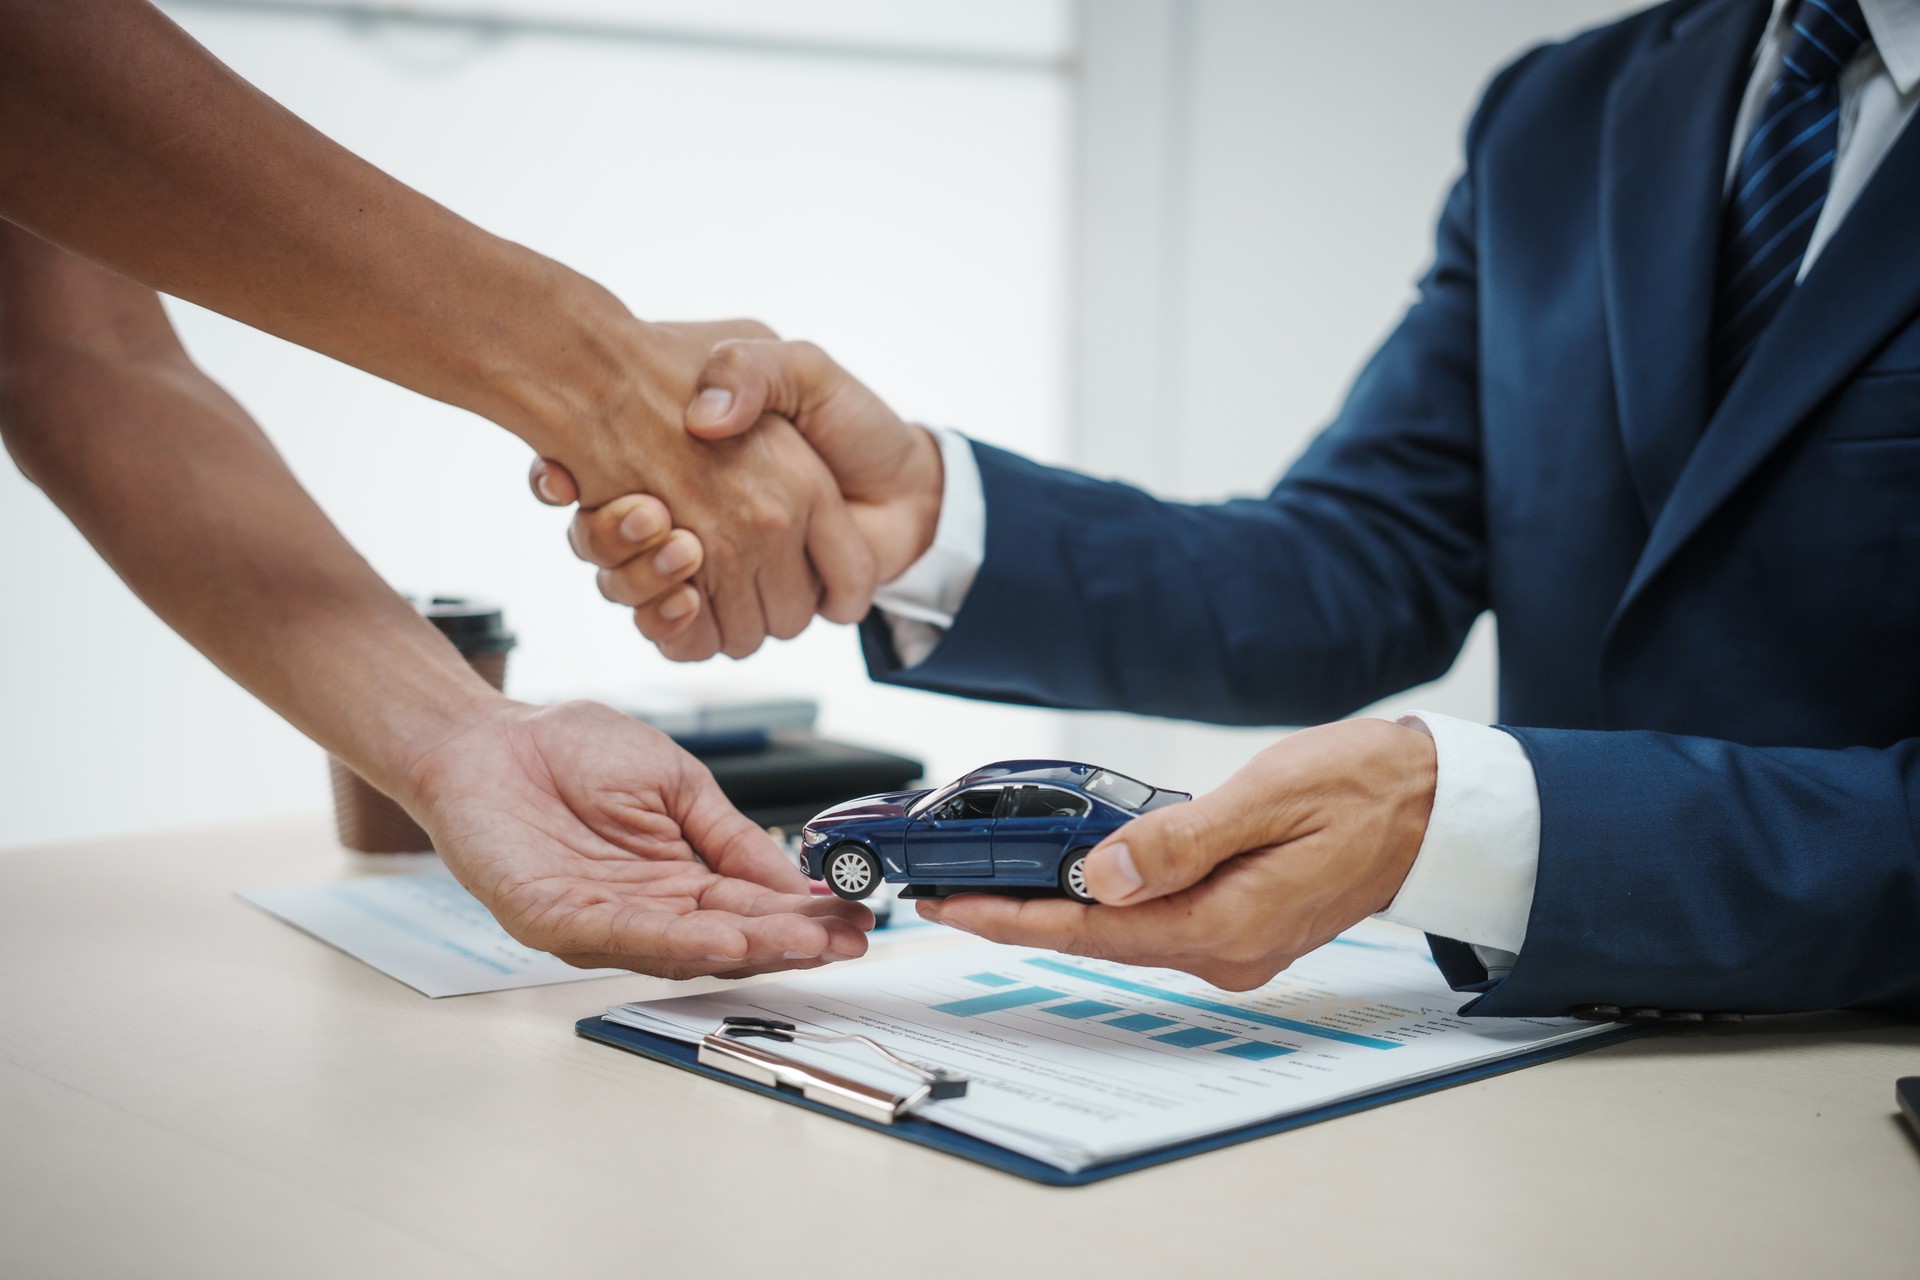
422, 928
1080, 1062
427, 931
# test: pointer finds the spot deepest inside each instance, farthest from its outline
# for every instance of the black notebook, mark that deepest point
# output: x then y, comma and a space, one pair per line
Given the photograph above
796, 775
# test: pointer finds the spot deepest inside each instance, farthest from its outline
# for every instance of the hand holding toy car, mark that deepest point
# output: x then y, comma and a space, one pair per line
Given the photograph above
1313, 835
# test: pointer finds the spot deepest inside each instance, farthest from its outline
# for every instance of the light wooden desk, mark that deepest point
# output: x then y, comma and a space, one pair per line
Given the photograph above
190, 1088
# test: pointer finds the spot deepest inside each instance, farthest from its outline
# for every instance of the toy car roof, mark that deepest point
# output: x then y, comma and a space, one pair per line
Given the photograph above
1054, 771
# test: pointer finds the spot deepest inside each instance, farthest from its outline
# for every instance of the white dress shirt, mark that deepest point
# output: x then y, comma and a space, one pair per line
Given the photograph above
1473, 878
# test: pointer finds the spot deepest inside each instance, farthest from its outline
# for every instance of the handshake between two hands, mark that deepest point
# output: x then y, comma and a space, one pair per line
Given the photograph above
811, 492
817, 493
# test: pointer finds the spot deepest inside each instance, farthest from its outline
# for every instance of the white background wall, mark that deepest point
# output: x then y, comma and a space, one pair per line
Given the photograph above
1185, 284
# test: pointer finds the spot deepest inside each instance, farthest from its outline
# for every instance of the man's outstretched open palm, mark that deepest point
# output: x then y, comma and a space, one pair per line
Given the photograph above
578, 828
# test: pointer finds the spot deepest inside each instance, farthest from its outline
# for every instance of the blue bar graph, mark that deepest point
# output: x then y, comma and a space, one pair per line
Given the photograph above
1192, 1037
992, 979
1141, 1022
1255, 1051
998, 1000
1214, 1006
1081, 1009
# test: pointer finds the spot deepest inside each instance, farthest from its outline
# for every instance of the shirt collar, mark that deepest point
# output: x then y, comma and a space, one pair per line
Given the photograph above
1895, 25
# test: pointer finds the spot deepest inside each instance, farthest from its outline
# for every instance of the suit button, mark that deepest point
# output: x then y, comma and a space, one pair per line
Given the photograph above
1643, 1015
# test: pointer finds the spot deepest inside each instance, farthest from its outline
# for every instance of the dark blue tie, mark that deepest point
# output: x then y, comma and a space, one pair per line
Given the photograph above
1782, 181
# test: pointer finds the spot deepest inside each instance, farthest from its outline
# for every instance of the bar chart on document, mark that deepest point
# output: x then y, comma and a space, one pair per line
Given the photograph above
1077, 1062
1255, 1029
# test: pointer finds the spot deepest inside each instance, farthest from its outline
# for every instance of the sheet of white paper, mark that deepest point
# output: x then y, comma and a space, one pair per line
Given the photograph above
1078, 1062
427, 931
421, 928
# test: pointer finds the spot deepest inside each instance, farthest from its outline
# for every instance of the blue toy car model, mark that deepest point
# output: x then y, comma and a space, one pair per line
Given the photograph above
1018, 824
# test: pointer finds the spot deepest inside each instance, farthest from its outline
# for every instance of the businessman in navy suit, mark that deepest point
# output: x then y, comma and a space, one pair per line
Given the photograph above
1657, 406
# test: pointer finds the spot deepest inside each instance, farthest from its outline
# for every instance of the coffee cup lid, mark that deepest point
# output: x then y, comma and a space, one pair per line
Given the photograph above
474, 625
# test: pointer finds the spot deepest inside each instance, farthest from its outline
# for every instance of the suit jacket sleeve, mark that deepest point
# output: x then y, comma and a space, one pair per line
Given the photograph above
1357, 576
1685, 873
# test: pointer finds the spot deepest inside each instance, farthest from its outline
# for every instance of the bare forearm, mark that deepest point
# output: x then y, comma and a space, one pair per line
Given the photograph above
186, 499
126, 142
123, 139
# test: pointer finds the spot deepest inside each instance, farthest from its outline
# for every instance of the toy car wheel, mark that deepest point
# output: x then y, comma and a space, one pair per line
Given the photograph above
1073, 877
852, 872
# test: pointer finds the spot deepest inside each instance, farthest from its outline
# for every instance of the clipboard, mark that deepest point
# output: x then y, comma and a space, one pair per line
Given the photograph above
912, 1128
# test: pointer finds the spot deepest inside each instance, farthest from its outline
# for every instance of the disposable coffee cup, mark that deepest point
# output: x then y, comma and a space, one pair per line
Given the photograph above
369, 822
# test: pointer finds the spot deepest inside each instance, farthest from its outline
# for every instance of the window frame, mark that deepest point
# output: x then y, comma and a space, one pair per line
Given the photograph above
932, 813
1084, 802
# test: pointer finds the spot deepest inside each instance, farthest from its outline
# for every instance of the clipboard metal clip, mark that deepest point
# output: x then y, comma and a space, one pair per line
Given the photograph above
726, 1049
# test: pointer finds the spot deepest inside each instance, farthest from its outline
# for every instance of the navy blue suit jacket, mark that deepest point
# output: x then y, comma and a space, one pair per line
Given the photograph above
1709, 619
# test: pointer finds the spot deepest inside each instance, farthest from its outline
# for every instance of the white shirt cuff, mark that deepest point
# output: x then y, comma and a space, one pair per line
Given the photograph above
1474, 875
921, 603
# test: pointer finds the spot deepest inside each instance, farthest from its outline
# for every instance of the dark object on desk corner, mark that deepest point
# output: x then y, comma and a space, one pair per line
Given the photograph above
1906, 1092
364, 818
1023, 825
795, 775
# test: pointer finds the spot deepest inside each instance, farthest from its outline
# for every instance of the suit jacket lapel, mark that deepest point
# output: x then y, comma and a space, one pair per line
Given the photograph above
1864, 285
1664, 152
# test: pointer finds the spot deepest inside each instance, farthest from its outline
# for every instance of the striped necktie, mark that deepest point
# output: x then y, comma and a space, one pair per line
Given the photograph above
1782, 181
